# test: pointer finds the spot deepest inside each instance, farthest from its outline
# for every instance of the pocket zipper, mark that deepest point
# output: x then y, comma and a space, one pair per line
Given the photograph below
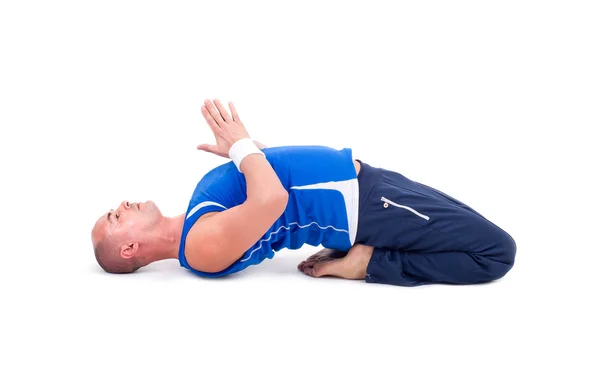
384, 199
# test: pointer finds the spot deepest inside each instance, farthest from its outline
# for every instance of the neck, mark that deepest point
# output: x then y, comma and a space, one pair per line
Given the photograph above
167, 241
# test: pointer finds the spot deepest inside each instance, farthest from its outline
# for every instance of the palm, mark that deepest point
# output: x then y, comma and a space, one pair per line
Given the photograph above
226, 128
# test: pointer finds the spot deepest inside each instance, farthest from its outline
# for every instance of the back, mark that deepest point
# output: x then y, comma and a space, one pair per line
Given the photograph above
322, 207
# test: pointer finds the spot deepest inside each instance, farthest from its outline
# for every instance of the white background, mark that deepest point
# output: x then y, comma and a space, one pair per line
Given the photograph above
494, 103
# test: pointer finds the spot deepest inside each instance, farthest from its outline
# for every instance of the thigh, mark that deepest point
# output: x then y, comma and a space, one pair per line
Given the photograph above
404, 215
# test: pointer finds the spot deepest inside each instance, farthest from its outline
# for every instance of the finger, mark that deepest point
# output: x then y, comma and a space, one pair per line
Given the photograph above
234, 113
210, 121
213, 112
222, 110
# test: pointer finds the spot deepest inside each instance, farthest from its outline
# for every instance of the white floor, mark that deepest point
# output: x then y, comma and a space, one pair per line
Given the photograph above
493, 104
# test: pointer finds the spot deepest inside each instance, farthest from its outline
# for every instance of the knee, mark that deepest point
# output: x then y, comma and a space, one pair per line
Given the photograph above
504, 257
508, 247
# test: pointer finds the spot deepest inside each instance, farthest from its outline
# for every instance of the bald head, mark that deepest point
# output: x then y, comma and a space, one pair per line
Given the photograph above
108, 256
118, 234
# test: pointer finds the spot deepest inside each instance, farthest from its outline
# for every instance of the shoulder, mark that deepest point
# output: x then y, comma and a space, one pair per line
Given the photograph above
201, 242
221, 186
219, 173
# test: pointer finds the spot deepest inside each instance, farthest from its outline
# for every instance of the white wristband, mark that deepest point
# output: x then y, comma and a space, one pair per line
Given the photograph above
242, 148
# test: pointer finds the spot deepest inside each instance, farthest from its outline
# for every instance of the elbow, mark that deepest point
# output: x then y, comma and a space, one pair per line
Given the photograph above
275, 200
279, 200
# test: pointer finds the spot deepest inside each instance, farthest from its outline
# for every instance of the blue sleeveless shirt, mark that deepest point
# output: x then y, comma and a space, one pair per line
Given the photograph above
322, 207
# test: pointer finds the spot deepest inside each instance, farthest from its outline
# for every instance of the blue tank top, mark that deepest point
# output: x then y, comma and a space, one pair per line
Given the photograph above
322, 206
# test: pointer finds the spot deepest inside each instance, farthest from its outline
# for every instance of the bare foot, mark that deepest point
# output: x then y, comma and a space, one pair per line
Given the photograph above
325, 254
352, 266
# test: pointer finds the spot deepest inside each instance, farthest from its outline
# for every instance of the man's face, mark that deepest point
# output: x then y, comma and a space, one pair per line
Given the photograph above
129, 221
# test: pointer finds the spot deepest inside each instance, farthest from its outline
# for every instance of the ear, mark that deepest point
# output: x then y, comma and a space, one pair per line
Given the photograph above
129, 250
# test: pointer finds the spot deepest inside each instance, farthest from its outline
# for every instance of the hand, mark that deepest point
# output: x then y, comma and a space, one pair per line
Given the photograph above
214, 150
227, 129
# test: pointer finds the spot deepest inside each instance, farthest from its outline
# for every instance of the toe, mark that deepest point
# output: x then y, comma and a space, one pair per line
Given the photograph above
307, 270
325, 268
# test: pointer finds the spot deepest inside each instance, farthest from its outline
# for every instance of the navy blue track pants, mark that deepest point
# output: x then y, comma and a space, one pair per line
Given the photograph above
424, 236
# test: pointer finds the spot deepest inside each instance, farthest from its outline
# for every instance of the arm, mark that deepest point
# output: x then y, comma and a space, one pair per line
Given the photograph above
218, 240
223, 237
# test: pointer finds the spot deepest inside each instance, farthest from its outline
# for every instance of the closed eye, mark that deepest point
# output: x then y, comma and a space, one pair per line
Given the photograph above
110, 213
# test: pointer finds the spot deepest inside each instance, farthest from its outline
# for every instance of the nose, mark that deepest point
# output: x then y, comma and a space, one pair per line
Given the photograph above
124, 205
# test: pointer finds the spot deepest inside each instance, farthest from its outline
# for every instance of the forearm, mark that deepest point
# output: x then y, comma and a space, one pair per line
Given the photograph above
262, 183
226, 235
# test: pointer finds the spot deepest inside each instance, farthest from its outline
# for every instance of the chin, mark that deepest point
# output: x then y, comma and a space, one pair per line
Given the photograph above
152, 206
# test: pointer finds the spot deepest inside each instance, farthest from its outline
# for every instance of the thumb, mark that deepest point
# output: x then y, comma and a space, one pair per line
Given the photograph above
212, 149
208, 148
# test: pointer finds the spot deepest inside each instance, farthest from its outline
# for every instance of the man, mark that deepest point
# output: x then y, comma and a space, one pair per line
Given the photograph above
376, 225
